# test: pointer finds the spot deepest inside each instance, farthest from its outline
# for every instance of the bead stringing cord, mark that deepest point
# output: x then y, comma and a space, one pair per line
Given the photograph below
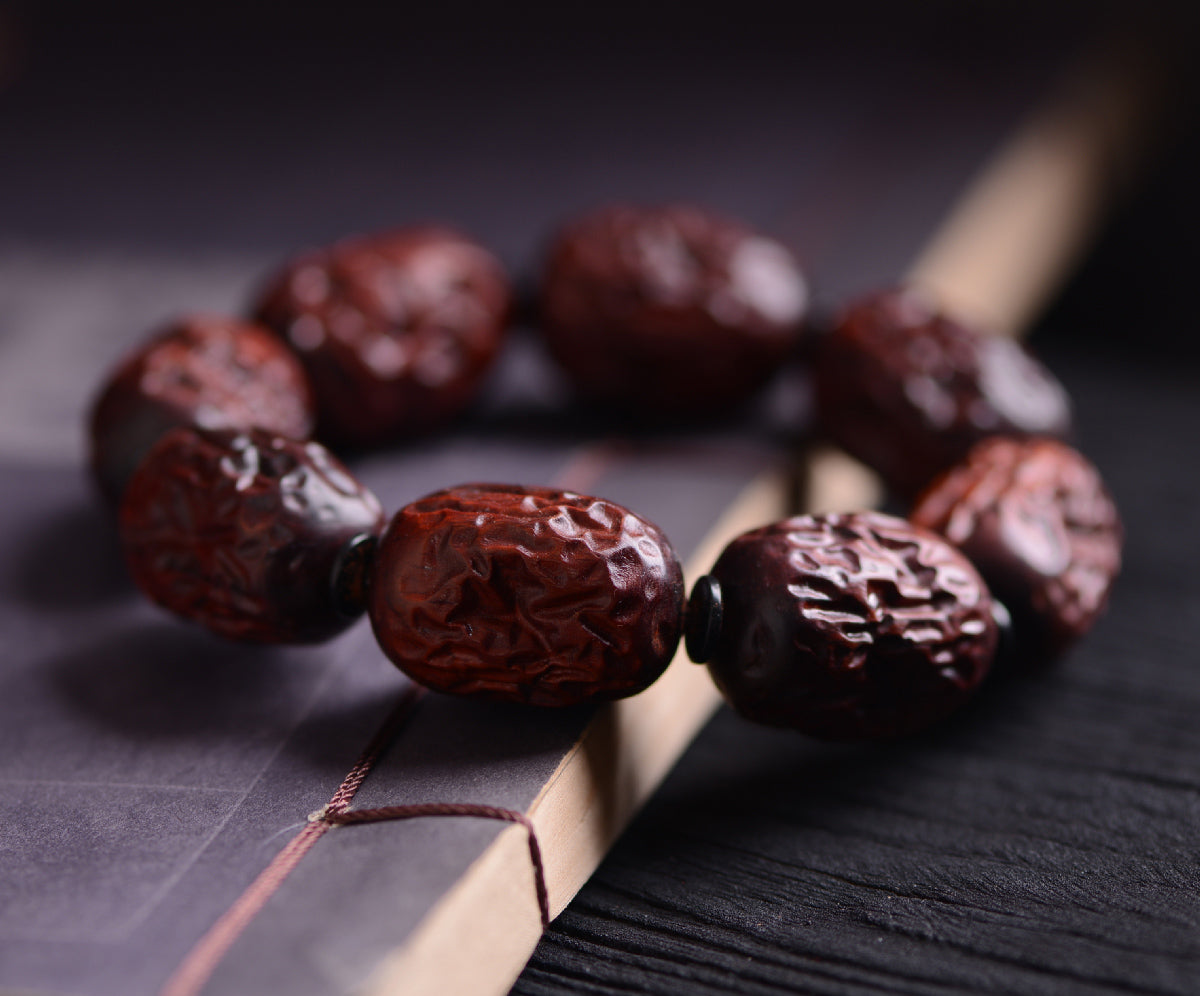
199, 964
420, 809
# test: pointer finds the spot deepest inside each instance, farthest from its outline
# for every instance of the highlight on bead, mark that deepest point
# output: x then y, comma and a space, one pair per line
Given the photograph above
908, 389
845, 627
397, 330
206, 371
530, 595
669, 309
1036, 519
248, 534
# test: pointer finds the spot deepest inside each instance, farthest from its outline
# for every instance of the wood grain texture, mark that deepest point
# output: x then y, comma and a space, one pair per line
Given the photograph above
1044, 841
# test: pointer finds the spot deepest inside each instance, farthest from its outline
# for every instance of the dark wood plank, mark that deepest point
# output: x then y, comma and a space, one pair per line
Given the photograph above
1046, 840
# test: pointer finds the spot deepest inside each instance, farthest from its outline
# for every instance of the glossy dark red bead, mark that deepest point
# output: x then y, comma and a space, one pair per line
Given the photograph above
250, 534
397, 330
1036, 519
203, 371
909, 390
848, 627
669, 308
526, 595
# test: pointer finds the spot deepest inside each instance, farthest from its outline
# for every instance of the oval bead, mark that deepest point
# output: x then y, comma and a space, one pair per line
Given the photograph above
849, 627
1036, 519
396, 330
669, 308
909, 390
248, 534
526, 595
204, 371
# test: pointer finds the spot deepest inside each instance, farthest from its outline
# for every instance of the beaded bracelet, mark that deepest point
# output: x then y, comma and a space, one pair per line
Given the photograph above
842, 626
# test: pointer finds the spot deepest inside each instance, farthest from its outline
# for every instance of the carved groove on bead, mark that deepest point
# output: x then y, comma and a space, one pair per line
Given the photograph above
527, 595
849, 626
241, 531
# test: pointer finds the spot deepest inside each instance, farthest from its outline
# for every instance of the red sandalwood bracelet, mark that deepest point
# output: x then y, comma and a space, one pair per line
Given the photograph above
843, 626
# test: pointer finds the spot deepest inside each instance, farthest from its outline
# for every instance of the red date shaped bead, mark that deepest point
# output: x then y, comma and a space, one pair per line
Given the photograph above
255, 536
908, 390
396, 330
206, 371
526, 595
1036, 519
844, 627
671, 308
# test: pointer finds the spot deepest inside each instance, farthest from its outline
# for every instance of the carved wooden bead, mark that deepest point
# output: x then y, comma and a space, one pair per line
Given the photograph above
205, 371
908, 390
1036, 519
255, 536
526, 595
845, 626
396, 330
669, 308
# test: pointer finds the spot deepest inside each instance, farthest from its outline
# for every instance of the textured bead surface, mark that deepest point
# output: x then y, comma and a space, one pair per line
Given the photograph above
669, 308
203, 371
909, 391
526, 595
1036, 519
849, 626
244, 533
396, 330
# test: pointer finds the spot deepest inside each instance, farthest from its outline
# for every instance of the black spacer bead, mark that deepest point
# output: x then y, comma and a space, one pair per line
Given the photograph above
348, 584
702, 623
